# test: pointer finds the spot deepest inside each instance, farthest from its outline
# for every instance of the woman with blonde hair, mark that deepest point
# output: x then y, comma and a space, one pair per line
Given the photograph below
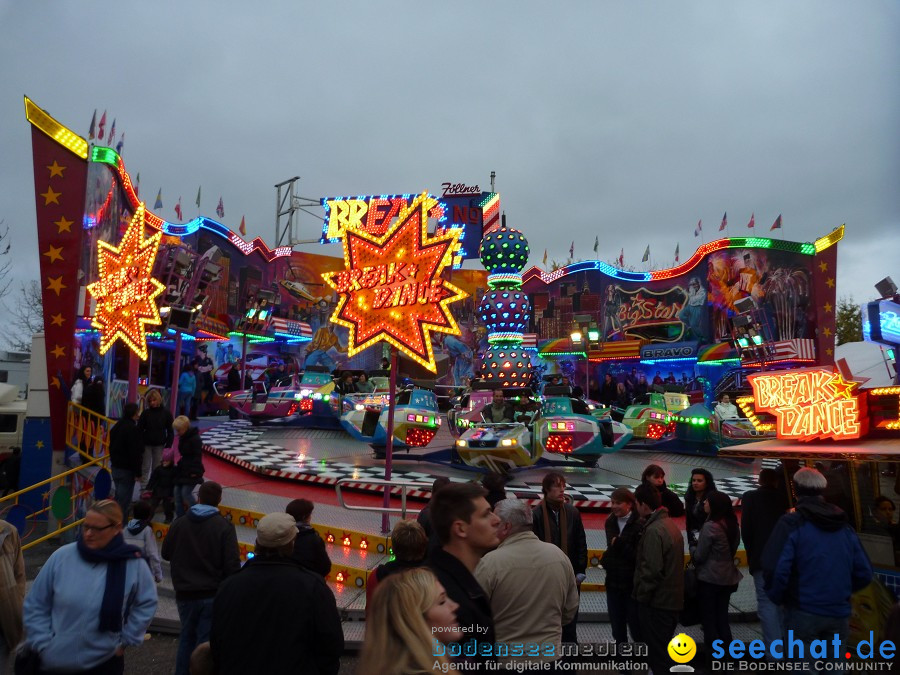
410, 616
189, 469
155, 425
91, 600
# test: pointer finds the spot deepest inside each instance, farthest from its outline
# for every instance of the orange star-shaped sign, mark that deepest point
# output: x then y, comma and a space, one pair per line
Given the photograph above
126, 291
841, 387
392, 290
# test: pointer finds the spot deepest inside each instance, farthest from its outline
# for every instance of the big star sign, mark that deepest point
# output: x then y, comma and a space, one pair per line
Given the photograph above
392, 290
126, 292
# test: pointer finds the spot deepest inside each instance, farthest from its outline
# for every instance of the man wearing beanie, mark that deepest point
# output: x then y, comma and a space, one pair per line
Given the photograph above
286, 612
813, 562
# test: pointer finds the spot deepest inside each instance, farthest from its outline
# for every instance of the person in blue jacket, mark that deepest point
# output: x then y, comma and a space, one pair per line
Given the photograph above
91, 600
813, 562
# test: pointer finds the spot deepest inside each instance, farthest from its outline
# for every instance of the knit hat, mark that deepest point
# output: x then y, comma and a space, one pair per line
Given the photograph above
168, 455
276, 530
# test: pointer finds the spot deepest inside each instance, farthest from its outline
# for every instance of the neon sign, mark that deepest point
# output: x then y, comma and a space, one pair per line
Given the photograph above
811, 404
126, 292
371, 214
391, 288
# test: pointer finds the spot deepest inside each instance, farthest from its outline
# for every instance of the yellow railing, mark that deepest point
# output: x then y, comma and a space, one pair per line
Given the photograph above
87, 433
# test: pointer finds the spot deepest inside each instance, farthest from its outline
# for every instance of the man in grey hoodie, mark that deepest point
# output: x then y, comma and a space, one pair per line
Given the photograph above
202, 548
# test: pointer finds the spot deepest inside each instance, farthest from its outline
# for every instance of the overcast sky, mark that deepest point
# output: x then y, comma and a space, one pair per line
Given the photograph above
629, 121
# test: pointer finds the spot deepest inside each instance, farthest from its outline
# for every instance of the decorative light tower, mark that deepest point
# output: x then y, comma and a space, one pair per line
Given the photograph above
505, 310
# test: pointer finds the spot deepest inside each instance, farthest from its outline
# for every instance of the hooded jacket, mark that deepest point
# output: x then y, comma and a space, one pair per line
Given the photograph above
189, 470
156, 426
139, 533
813, 561
126, 448
203, 550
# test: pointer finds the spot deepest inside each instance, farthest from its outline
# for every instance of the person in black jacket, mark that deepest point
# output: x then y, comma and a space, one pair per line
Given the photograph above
126, 450
702, 485
94, 396
189, 470
424, 517
761, 509
622, 530
655, 476
155, 424
161, 487
203, 551
409, 544
309, 548
559, 523
467, 529
285, 611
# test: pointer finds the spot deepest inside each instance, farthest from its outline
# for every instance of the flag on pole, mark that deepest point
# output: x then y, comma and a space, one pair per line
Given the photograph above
158, 204
777, 224
178, 209
724, 222
112, 133
676, 252
596, 243
572, 250
92, 131
102, 126
646, 254
120, 144
752, 222
545, 257
137, 185
622, 258
699, 228
198, 196
220, 209
243, 228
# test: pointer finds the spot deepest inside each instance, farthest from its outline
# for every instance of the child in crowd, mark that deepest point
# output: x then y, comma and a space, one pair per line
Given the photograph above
139, 533
161, 487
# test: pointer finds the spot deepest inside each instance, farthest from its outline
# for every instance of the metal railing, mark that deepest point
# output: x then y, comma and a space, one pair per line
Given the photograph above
404, 485
87, 434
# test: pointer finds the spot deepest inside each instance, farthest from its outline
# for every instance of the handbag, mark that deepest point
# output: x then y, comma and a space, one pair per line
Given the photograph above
690, 615
28, 660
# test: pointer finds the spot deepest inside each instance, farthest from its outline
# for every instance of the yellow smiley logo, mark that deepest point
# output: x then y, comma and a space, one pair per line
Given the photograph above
682, 648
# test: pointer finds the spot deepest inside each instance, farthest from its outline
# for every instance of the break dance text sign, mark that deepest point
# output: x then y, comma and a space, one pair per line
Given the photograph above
811, 404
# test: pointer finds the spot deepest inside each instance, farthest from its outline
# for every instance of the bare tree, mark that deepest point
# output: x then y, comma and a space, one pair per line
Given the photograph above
5, 259
25, 317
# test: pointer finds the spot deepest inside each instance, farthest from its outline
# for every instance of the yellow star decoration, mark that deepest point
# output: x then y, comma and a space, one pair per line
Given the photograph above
827, 331
56, 169
45, 495
841, 386
63, 225
39, 445
830, 282
828, 307
126, 291
50, 197
58, 351
829, 351
57, 320
55, 284
54, 382
823, 266
54, 253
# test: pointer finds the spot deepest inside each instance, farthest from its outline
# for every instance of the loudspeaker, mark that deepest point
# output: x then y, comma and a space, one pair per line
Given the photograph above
886, 287
744, 305
180, 319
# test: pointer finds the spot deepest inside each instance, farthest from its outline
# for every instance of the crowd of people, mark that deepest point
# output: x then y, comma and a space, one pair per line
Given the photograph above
479, 578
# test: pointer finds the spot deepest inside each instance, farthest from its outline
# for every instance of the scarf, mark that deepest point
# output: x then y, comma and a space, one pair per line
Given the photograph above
563, 529
116, 555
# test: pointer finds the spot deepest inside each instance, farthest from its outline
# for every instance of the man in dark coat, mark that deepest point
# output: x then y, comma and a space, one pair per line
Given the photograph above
467, 529
761, 510
126, 453
559, 523
309, 548
622, 530
285, 612
203, 551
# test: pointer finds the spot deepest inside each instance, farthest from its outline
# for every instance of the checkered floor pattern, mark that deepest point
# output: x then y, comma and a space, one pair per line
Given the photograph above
239, 442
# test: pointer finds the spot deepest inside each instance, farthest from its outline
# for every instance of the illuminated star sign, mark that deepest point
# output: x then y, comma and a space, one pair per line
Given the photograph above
811, 404
391, 289
126, 291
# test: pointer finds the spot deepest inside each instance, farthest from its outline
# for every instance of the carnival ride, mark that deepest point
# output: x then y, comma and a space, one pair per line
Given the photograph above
416, 418
309, 402
650, 420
